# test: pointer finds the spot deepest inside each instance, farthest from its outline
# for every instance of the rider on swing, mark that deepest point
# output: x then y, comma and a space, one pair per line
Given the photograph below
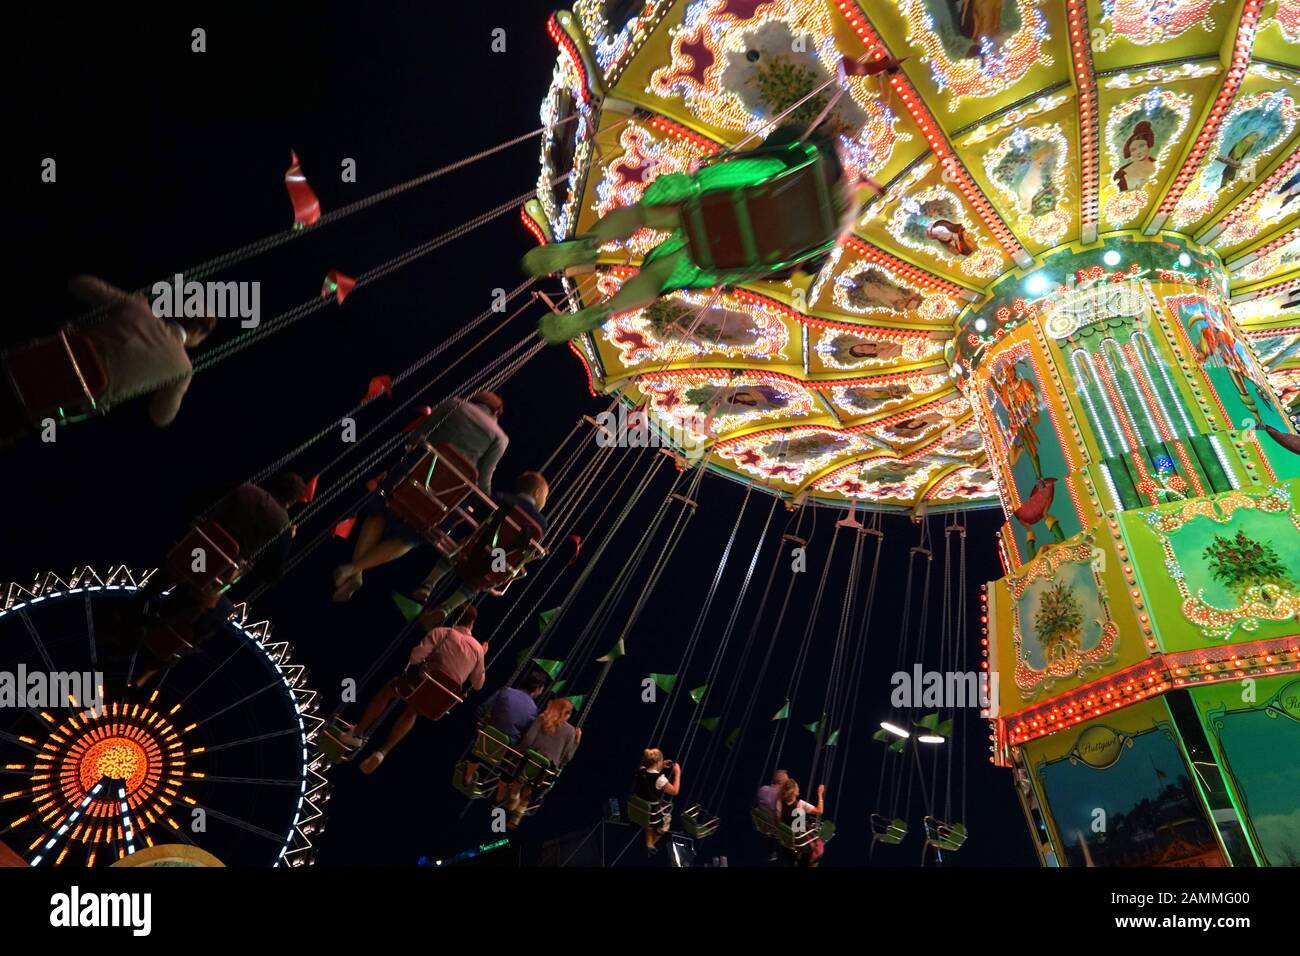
670, 266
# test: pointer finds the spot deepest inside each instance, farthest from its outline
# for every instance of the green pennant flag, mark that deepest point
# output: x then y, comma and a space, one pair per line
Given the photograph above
882, 734
665, 682
783, 713
732, 738
834, 738
551, 667
613, 654
577, 700
410, 609
944, 730
558, 686
815, 727
710, 723
546, 617
697, 695
897, 746
929, 721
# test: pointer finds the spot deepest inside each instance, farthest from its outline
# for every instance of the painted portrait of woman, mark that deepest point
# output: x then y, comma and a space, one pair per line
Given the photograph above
952, 235
1139, 165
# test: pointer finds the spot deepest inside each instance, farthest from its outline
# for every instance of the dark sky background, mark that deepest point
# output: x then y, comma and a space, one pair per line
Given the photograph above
165, 158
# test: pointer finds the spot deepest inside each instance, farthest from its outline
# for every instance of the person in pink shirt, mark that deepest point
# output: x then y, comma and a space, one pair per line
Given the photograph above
452, 651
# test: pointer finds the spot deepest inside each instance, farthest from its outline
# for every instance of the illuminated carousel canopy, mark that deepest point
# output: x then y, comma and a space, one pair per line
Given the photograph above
1014, 135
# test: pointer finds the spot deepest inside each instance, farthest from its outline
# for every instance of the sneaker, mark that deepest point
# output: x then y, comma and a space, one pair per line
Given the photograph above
371, 763
348, 587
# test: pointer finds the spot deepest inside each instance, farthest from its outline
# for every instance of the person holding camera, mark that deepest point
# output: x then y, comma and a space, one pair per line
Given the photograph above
654, 785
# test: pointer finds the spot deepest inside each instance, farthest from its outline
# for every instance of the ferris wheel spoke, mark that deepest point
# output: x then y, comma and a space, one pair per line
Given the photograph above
90, 632
36, 638
261, 690
254, 781
287, 732
213, 673
18, 742
244, 825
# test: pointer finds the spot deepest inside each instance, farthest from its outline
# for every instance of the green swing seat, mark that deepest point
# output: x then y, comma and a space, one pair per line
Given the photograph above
791, 840
537, 771
495, 758
885, 830
769, 225
492, 747
698, 822
648, 814
330, 745
763, 821
946, 837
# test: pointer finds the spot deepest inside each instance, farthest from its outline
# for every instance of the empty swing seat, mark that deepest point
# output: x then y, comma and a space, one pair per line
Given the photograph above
645, 813
770, 225
435, 489
206, 560
434, 695
496, 554
885, 830
60, 377
698, 822
944, 836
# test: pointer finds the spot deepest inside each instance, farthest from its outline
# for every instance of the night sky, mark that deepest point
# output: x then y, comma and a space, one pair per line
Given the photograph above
165, 158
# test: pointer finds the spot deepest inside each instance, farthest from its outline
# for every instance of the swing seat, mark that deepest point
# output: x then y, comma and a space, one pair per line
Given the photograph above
763, 821
220, 553
433, 696
60, 377
483, 785
168, 643
434, 490
766, 226
885, 830
648, 814
492, 747
699, 823
944, 836
514, 536
329, 742
534, 768
788, 838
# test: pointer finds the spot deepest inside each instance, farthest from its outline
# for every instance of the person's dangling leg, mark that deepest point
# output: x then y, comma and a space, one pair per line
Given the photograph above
347, 577
372, 529
637, 292
400, 729
371, 715
430, 582
619, 223
390, 549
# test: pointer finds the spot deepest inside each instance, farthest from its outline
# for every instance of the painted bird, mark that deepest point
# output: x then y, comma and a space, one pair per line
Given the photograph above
1033, 508
1288, 441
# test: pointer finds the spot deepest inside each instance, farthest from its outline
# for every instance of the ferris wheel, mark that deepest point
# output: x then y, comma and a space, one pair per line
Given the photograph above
213, 756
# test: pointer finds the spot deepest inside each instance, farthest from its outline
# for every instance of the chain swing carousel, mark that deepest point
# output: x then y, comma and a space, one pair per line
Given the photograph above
1072, 292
